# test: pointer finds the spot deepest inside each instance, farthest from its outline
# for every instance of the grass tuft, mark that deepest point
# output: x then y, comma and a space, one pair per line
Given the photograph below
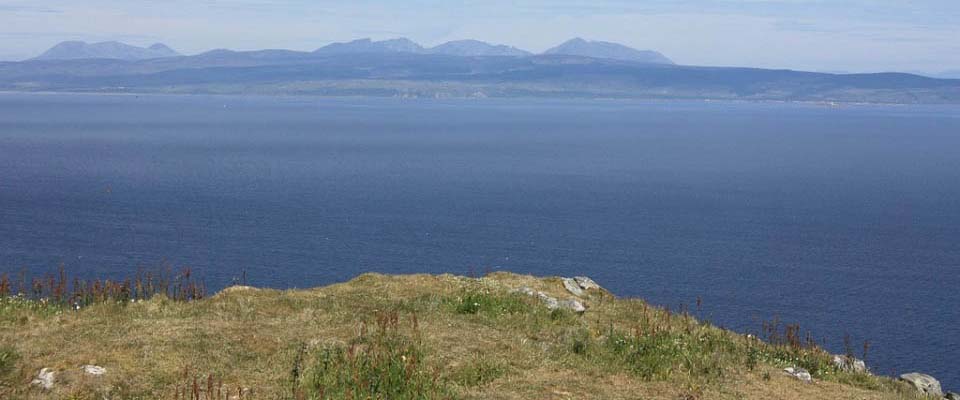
479, 371
382, 364
8, 362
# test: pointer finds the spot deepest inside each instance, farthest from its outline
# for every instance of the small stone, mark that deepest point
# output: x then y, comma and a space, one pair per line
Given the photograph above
572, 286
525, 290
241, 394
94, 370
45, 378
799, 373
925, 384
586, 283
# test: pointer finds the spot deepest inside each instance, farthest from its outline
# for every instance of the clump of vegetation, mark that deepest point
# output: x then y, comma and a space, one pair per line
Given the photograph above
788, 345
209, 387
480, 301
18, 309
8, 362
381, 364
478, 371
659, 354
60, 290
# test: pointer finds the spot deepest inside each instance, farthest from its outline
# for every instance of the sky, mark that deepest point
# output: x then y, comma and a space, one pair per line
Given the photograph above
816, 35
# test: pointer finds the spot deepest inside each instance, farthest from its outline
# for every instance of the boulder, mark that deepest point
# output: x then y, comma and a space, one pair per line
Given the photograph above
953, 396
586, 283
94, 370
799, 373
850, 364
925, 384
573, 305
572, 286
45, 379
550, 302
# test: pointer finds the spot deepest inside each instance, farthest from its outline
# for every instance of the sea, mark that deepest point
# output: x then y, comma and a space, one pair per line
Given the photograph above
844, 219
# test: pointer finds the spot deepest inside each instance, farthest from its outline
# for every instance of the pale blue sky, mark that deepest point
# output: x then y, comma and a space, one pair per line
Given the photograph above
836, 35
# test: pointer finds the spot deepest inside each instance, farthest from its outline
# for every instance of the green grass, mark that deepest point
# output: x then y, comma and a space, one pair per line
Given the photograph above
659, 355
8, 363
478, 371
813, 359
382, 364
20, 310
487, 303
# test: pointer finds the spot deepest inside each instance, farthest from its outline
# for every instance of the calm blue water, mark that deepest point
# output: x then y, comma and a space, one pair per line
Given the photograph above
844, 220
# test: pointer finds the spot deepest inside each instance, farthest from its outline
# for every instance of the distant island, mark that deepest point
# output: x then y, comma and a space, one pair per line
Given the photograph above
400, 67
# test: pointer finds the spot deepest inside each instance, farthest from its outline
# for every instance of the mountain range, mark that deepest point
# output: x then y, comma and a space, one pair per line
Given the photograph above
402, 68
76, 50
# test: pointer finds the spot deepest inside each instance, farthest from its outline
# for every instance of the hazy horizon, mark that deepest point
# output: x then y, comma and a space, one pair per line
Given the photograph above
857, 36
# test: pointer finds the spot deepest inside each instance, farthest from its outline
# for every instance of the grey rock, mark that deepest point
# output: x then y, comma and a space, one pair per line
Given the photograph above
572, 286
586, 283
953, 396
94, 370
799, 373
550, 302
573, 305
850, 364
45, 379
925, 384
525, 290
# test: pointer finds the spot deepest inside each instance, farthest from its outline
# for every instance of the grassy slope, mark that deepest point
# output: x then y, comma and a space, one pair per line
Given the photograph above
465, 338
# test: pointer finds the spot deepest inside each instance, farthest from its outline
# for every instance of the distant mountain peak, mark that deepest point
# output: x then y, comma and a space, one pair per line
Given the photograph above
366, 45
600, 49
160, 47
472, 48
402, 45
75, 50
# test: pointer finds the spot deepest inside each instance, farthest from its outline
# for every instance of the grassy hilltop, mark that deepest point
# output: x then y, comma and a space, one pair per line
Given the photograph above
405, 337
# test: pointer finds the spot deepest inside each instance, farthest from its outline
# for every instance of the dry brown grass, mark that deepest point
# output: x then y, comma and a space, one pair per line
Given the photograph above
252, 338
